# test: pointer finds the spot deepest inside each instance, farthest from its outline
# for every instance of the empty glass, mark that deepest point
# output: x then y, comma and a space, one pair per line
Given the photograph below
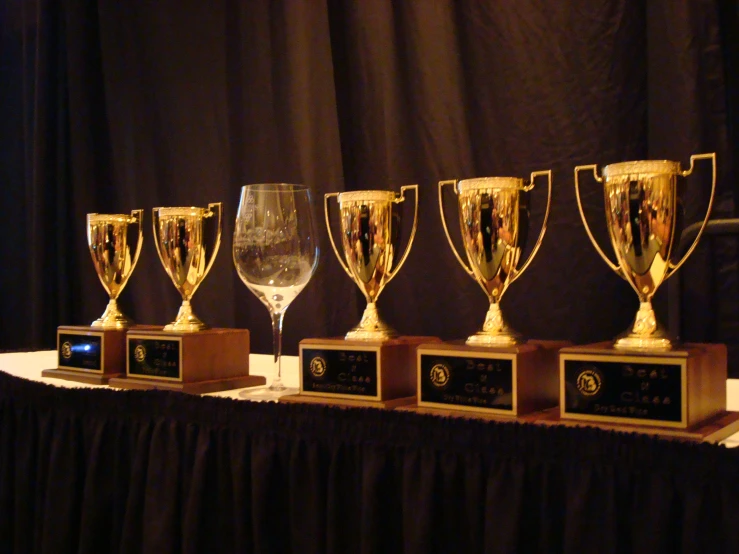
275, 250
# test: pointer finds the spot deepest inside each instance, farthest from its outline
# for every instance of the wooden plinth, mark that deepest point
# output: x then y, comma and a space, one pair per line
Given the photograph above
681, 388
507, 382
199, 362
714, 429
88, 354
347, 402
358, 373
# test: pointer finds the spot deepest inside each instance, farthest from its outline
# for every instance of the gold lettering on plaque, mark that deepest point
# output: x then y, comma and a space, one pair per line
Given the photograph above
66, 350
318, 366
139, 353
589, 382
439, 376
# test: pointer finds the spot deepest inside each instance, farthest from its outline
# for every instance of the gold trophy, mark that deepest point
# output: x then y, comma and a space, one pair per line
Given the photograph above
187, 355
366, 237
107, 237
371, 365
645, 378
178, 236
494, 371
96, 353
490, 220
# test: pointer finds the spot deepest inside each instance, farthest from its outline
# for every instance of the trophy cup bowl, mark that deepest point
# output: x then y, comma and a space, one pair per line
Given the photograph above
108, 240
641, 205
366, 220
493, 219
179, 239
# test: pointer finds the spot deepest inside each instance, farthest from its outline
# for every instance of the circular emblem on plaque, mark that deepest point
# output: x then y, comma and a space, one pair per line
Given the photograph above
589, 381
318, 366
139, 353
439, 376
66, 350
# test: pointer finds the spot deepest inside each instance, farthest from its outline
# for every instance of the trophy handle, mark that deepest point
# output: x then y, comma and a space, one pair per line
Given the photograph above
212, 208
398, 200
534, 175
331, 235
672, 268
446, 229
137, 216
594, 167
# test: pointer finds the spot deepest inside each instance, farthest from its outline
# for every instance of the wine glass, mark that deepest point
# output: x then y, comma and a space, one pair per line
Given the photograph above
275, 250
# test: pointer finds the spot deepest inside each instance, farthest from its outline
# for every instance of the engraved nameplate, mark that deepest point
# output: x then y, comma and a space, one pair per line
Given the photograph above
643, 389
154, 358
80, 350
340, 372
472, 381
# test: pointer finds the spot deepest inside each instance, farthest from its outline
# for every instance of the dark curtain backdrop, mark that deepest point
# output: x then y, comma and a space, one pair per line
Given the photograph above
111, 106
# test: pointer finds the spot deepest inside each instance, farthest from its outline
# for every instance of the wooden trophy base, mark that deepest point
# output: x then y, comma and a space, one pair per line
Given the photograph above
684, 388
347, 402
89, 355
715, 429
487, 382
340, 372
193, 362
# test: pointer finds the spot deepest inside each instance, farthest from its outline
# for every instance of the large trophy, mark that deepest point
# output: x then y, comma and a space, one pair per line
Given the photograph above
187, 355
644, 377
372, 365
495, 371
96, 353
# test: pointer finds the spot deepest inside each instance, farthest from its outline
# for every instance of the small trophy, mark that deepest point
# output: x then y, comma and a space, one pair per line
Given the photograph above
96, 353
645, 378
371, 365
494, 372
187, 355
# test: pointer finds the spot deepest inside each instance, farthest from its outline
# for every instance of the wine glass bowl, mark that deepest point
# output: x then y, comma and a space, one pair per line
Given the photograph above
275, 252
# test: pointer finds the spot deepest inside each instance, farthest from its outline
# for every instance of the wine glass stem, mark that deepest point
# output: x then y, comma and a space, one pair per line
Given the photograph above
277, 348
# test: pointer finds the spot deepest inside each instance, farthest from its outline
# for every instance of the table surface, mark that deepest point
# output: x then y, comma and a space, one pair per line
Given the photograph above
28, 365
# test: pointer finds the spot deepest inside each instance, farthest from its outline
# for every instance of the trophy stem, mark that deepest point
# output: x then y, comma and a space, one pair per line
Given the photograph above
112, 318
645, 334
371, 327
186, 320
495, 331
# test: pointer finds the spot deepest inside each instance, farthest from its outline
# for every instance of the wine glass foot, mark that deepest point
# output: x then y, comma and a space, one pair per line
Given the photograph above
266, 394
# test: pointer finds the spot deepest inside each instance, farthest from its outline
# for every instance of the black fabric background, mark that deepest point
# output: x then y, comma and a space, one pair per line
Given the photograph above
111, 106
92, 471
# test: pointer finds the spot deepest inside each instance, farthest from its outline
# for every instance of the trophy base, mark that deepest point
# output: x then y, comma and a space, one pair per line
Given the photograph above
679, 388
198, 387
348, 402
207, 361
340, 372
714, 429
493, 341
79, 377
501, 382
89, 354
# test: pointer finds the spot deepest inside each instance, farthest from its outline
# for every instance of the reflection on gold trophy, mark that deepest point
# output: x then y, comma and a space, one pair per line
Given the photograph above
641, 202
367, 232
107, 237
96, 353
644, 378
187, 355
494, 372
371, 365
490, 210
178, 234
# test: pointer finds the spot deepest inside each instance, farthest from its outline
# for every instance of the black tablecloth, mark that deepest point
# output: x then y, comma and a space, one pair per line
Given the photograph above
96, 470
